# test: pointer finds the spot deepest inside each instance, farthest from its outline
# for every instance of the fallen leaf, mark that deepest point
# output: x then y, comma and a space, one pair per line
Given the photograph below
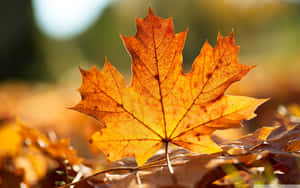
60, 150
238, 178
294, 146
11, 141
34, 164
249, 142
42, 155
162, 104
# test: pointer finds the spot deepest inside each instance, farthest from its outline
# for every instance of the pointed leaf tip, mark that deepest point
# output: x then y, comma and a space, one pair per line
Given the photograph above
106, 59
150, 12
206, 46
220, 37
231, 36
82, 71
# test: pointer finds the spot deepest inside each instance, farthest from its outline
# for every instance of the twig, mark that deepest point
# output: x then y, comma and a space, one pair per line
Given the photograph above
98, 173
150, 165
131, 169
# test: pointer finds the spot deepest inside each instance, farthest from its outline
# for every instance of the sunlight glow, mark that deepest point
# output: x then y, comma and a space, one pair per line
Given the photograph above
64, 19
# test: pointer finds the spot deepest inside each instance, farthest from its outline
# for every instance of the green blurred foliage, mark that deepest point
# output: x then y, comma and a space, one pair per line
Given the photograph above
267, 31
20, 57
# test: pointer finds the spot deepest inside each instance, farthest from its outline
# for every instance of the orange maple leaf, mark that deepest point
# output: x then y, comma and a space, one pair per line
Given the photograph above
162, 104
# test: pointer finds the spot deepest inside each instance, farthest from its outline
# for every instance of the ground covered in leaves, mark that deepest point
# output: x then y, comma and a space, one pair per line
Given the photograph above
270, 155
159, 132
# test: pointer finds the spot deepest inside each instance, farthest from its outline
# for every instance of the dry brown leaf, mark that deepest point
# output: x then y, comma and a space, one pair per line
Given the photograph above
203, 170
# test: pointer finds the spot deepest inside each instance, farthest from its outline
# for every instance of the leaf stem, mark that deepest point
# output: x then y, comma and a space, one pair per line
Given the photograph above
171, 170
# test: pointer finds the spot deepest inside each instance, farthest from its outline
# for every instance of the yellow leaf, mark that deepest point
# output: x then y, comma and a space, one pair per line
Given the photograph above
11, 141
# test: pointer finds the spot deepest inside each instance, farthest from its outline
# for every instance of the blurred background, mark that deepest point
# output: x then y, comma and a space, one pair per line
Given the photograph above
43, 42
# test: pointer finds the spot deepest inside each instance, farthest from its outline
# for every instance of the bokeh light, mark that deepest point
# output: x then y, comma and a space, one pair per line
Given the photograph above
65, 19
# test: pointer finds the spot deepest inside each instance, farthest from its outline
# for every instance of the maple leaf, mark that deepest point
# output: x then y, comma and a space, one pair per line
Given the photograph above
162, 104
